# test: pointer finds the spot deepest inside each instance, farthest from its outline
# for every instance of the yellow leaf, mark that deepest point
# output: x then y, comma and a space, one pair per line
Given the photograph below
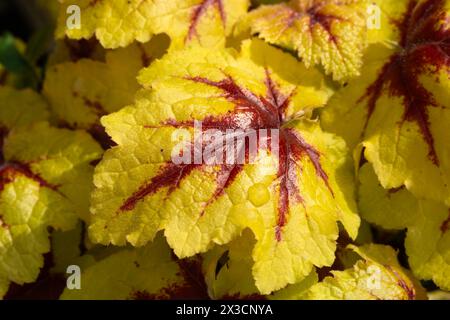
399, 108
80, 93
428, 237
118, 23
45, 182
4, 285
331, 32
291, 201
149, 272
19, 108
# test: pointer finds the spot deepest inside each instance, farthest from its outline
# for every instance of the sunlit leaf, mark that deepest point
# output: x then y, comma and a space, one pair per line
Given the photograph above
331, 32
45, 182
118, 23
291, 201
399, 107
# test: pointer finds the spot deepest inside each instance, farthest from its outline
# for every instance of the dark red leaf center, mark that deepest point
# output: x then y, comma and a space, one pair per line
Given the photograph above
424, 47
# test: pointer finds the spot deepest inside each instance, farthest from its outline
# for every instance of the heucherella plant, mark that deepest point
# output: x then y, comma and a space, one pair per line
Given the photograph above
227, 149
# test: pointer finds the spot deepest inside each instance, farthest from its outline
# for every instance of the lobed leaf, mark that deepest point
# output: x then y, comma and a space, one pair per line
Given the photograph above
376, 276
19, 108
228, 273
147, 273
331, 32
399, 107
15, 70
80, 93
118, 23
427, 240
45, 182
291, 202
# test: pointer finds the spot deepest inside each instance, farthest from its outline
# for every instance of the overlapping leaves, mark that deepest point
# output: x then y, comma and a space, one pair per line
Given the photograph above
45, 182
330, 32
399, 107
81, 92
150, 272
428, 222
28, 107
374, 273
